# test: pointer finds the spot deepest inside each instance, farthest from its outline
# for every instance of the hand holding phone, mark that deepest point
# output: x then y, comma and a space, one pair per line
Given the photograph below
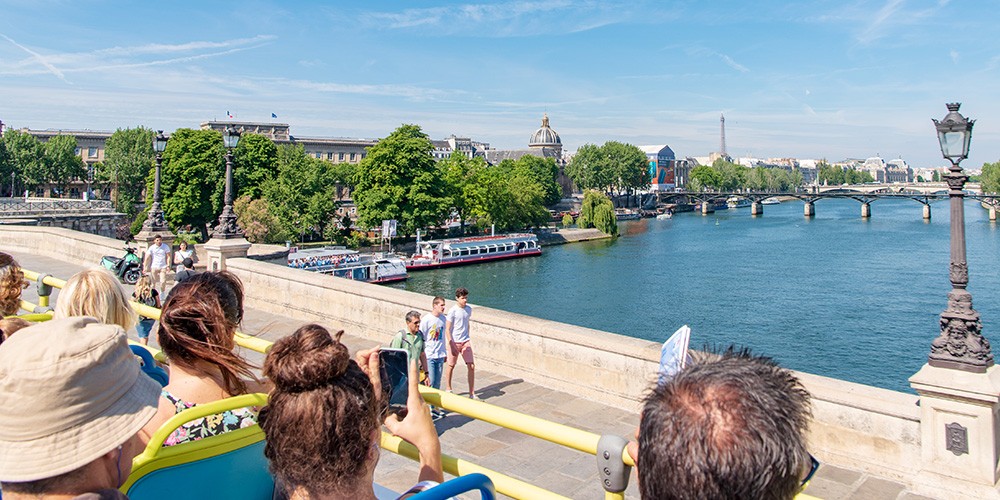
394, 374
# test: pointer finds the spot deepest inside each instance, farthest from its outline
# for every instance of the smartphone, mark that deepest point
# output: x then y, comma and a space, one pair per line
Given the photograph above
394, 372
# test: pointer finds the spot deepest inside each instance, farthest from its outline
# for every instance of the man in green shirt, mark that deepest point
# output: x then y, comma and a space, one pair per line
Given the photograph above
412, 341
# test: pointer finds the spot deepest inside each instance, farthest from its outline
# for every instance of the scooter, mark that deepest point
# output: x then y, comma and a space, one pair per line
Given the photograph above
128, 268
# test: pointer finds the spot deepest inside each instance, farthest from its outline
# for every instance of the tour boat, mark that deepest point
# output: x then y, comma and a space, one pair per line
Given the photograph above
665, 215
737, 202
434, 254
626, 214
349, 264
770, 201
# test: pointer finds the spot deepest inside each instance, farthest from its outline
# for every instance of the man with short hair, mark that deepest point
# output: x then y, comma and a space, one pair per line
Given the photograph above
72, 403
728, 427
432, 328
459, 344
411, 341
187, 272
157, 259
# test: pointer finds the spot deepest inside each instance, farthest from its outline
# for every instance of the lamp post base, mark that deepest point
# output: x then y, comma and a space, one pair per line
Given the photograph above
219, 250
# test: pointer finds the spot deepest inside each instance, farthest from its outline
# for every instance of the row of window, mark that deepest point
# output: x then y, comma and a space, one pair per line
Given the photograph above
91, 152
340, 156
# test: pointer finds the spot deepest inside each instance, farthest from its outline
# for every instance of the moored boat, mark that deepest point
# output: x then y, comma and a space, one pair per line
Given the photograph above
626, 214
770, 201
350, 264
434, 254
737, 202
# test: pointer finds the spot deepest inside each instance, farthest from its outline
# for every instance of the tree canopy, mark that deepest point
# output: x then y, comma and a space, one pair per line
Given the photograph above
598, 211
255, 161
508, 196
128, 158
834, 176
399, 179
193, 168
990, 178
614, 167
25, 157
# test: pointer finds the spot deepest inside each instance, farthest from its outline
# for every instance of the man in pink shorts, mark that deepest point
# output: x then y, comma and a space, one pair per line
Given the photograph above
457, 334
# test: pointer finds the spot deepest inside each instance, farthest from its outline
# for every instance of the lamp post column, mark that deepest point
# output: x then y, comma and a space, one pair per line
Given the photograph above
155, 222
227, 239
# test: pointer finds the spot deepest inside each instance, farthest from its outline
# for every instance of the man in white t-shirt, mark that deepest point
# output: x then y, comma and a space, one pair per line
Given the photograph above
459, 344
157, 258
432, 327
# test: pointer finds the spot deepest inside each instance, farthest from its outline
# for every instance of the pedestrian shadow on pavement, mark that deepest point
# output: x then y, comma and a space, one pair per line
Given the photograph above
452, 420
496, 390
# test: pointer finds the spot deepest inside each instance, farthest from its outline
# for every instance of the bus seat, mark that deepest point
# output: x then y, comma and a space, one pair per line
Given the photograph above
459, 485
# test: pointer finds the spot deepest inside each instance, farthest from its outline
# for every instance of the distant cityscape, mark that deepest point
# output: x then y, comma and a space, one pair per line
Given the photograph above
668, 170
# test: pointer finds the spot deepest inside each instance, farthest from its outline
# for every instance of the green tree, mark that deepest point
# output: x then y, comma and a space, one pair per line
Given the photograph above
62, 164
545, 172
26, 158
706, 177
193, 167
936, 177
589, 168
7, 172
459, 174
255, 161
598, 211
128, 158
989, 180
615, 167
302, 195
257, 222
399, 179
567, 220
509, 197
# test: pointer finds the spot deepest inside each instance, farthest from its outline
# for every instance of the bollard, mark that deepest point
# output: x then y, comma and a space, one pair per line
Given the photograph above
44, 291
613, 472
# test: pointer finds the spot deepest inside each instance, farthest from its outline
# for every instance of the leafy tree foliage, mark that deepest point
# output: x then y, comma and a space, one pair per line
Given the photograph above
302, 195
567, 220
614, 167
459, 173
258, 222
128, 158
193, 168
831, 175
255, 161
7, 173
704, 177
508, 196
62, 164
545, 172
990, 178
25, 156
936, 177
399, 179
598, 211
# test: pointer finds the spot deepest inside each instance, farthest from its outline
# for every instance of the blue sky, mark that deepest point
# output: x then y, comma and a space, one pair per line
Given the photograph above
822, 79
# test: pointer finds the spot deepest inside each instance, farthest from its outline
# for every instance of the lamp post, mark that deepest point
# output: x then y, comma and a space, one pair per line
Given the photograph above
961, 345
155, 222
227, 227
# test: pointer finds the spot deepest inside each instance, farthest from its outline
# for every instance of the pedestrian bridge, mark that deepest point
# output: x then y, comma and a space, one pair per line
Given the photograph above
874, 443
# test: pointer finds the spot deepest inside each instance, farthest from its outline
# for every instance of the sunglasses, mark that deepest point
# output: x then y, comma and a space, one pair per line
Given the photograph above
813, 467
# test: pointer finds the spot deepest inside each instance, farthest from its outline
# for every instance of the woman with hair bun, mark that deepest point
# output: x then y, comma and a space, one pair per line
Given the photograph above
197, 324
323, 417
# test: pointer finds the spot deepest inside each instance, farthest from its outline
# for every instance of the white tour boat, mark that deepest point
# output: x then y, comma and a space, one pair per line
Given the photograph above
434, 254
350, 264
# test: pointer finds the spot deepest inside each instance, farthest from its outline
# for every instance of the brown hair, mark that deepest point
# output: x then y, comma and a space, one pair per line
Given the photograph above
11, 283
321, 415
198, 321
10, 325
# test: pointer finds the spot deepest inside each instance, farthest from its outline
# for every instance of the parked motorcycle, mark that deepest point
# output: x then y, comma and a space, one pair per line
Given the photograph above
128, 269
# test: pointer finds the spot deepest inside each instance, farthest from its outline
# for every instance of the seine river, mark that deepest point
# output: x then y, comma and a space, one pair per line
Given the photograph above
834, 295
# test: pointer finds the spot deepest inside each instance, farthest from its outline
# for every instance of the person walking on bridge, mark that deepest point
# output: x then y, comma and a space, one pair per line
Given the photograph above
459, 343
158, 258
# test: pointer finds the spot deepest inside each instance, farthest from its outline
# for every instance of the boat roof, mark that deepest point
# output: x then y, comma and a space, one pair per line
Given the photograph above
481, 240
321, 252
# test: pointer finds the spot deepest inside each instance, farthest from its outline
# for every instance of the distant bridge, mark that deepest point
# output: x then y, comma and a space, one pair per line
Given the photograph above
923, 193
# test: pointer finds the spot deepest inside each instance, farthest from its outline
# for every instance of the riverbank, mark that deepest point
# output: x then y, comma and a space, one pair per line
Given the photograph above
569, 235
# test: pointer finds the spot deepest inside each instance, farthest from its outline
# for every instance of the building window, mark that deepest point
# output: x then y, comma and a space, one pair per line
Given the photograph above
329, 156
92, 152
319, 156
76, 151
340, 157
354, 156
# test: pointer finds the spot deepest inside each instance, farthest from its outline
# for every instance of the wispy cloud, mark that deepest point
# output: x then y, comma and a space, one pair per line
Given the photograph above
159, 48
506, 19
729, 61
874, 30
40, 59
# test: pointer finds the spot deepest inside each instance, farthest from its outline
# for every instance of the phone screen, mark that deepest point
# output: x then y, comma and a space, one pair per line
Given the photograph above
395, 376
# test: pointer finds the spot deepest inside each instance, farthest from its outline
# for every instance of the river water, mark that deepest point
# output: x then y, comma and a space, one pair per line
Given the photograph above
834, 295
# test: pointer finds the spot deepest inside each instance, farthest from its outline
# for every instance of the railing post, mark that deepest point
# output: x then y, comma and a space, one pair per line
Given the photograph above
613, 472
44, 291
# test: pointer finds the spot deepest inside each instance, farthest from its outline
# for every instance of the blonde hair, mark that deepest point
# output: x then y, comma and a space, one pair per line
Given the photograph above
97, 293
143, 288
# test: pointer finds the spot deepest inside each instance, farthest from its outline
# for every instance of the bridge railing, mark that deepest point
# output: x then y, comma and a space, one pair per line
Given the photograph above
10, 207
609, 447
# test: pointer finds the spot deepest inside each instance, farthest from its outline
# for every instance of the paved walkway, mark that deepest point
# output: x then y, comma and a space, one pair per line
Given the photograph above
563, 471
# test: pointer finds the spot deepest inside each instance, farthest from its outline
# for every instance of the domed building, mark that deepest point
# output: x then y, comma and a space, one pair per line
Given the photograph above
545, 137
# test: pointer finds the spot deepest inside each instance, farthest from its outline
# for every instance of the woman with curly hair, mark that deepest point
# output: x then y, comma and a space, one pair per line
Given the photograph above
323, 417
197, 324
11, 283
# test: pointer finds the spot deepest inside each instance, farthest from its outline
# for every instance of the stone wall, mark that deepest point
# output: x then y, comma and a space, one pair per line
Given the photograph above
855, 426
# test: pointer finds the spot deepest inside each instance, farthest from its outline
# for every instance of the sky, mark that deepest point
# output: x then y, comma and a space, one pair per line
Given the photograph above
812, 79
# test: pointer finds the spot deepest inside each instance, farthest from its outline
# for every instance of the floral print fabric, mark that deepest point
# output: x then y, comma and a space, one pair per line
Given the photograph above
211, 425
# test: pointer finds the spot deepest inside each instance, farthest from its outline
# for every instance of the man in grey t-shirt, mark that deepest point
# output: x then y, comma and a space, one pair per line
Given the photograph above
459, 344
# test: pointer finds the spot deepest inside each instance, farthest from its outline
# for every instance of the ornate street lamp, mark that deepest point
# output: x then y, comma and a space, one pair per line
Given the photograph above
961, 344
227, 227
154, 218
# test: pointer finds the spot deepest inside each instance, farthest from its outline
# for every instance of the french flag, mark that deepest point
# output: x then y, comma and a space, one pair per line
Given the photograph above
229, 114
